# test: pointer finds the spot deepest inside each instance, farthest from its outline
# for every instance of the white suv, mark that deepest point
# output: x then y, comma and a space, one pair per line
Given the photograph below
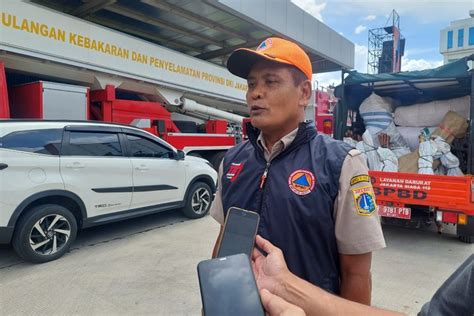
57, 177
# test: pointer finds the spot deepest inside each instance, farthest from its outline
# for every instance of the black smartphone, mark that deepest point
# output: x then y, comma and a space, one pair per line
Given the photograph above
240, 229
228, 287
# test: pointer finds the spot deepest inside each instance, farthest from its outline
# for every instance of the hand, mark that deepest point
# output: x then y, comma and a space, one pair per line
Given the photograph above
384, 140
276, 306
270, 271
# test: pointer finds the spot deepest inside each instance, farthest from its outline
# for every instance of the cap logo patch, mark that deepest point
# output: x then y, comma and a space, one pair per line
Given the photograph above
265, 44
364, 200
234, 171
301, 182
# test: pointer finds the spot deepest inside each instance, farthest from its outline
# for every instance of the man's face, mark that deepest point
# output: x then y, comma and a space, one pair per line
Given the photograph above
273, 99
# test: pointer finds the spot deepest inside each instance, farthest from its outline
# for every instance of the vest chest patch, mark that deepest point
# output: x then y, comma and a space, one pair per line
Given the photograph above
234, 171
364, 200
301, 182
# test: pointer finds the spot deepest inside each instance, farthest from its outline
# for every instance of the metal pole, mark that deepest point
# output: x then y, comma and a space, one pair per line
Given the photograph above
470, 154
340, 120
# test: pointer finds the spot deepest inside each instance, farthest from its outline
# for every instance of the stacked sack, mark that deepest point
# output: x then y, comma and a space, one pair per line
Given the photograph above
435, 148
439, 122
420, 134
431, 113
377, 113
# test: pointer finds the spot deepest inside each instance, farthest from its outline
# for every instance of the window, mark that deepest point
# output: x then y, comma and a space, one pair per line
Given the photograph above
43, 141
450, 39
460, 37
93, 144
471, 36
142, 147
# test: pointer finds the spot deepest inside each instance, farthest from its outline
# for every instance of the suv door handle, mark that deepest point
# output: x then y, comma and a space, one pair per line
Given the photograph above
142, 167
75, 165
3, 166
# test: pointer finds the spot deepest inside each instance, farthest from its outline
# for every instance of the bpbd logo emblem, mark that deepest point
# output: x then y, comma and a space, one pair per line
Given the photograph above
301, 182
265, 44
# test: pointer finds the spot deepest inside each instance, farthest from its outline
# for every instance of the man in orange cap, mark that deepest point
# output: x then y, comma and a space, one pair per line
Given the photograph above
313, 194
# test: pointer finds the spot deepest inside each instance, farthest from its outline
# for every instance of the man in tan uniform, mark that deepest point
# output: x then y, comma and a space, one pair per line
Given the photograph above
313, 193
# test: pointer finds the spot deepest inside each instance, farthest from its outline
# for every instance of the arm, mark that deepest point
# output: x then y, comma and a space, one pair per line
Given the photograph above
272, 274
316, 301
218, 242
275, 305
217, 211
356, 281
357, 228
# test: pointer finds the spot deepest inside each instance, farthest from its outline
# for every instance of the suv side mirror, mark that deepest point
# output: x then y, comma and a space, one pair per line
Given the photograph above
179, 155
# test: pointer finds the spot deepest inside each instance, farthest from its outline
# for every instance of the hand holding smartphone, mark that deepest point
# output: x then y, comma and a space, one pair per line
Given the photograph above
240, 229
228, 287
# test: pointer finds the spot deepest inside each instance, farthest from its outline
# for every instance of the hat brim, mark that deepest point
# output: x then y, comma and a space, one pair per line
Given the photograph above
241, 61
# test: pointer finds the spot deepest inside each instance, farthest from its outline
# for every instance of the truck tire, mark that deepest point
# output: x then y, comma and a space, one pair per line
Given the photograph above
466, 232
467, 239
198, 201
45, 233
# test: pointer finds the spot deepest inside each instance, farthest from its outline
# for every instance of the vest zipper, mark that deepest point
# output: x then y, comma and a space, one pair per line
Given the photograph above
263, 179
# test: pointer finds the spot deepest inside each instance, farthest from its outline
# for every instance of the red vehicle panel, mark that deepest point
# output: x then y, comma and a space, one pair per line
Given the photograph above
444, 192
325, 103
27, 101
4, 106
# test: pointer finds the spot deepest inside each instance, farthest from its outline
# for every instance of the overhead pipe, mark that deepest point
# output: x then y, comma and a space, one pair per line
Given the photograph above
188, 105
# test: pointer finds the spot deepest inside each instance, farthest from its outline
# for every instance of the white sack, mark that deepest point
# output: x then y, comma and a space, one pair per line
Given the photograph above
411, 134
376, 112
378, 118
388, 158
451, 162
397, 143
367, 148
360, 146
379, 159
448, 160
350, 141
425, 162
431, 113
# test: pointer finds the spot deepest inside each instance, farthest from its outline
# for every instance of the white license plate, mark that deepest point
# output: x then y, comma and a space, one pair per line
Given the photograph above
394, 211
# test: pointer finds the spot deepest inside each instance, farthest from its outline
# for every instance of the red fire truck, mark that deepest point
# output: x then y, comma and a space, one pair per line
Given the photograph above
48, 100
83, 71
325, 103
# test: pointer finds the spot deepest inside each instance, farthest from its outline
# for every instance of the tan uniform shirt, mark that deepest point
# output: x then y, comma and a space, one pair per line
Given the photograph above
356, 232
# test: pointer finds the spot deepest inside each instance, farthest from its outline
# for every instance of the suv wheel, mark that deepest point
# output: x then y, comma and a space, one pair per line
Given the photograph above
198, 201
45, 233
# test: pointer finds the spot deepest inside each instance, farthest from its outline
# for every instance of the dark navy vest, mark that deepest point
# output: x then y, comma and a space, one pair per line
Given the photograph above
296, 201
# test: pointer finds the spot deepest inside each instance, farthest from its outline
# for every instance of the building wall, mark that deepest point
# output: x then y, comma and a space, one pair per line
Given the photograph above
457, 40
284, 17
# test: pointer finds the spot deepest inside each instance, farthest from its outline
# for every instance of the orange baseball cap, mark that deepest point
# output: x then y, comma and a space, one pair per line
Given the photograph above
275, 49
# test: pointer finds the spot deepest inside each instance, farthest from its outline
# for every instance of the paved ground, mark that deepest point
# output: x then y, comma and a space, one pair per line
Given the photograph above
148, 266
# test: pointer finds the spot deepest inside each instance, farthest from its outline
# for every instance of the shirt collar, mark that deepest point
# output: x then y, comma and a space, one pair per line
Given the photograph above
279, 146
